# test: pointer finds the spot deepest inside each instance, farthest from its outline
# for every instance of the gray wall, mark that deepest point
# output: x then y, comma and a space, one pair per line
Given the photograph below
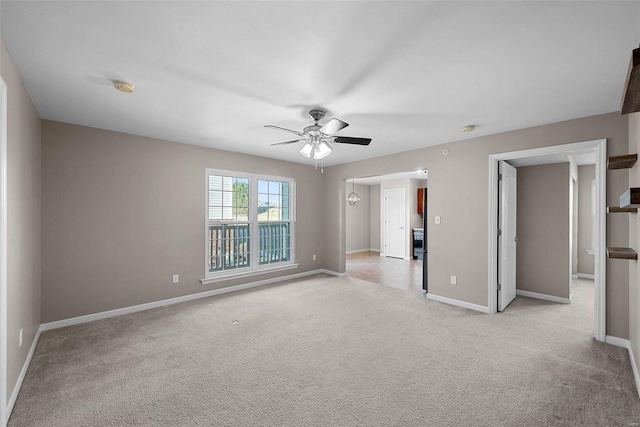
123, 213
586, 176
359, 219
23, 219
634, 242
543, 257
458, 192
374, 228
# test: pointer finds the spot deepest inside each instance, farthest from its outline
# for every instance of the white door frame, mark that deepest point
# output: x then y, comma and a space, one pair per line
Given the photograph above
404, 220
600, 148
3, 253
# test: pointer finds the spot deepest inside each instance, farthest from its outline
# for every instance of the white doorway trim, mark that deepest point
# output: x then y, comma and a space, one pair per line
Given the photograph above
600, 241
3, 253
400, 219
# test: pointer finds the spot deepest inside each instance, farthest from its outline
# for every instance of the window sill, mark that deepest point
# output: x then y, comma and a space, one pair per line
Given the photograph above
231, 276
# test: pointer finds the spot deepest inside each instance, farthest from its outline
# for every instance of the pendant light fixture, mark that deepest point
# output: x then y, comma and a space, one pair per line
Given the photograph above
353, 198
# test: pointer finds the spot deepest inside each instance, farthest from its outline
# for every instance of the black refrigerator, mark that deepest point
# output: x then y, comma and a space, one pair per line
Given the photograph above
425, 255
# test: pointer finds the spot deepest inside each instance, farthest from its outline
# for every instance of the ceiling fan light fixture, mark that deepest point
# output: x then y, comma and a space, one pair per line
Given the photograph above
306, 150
321, 150
317, 138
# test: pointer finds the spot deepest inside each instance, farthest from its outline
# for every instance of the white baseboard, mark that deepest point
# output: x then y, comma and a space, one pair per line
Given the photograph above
634, 367
23, 372
586, 276
329, 272
545, 297
574, 276
355, 251
155, 304
618, 342
458, 303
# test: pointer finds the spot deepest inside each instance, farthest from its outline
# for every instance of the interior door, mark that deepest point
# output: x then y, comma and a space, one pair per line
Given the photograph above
507, 238
395, 234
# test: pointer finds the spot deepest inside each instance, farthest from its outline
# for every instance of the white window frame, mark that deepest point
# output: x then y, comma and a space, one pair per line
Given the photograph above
254, 267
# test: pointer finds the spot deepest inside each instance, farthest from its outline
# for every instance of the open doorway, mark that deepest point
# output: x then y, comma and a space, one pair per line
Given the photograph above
385, 236
550, 250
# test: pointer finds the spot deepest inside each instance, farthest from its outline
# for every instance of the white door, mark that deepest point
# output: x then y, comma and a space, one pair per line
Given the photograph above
507, 235
395, 234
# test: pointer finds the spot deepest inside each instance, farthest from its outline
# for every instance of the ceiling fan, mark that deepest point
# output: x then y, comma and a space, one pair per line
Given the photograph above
317, 138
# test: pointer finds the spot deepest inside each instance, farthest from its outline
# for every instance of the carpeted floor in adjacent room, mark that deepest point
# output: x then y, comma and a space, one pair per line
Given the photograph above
325, 351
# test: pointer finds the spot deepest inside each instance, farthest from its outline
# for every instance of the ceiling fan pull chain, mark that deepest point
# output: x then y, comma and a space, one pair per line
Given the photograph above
322, 166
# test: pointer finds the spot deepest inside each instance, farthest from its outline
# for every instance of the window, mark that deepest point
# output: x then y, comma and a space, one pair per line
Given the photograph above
249, 223
273, 221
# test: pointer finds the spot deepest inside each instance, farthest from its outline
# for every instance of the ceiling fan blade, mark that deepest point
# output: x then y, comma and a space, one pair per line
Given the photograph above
289, 142
333, 126
284, 129
350, 140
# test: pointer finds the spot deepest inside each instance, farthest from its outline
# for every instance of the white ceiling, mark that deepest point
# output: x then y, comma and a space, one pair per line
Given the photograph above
407, 74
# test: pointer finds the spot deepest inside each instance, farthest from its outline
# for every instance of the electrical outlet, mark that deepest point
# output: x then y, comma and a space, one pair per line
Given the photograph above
437, 220
176, 278
314, 257
20, 338
454, 280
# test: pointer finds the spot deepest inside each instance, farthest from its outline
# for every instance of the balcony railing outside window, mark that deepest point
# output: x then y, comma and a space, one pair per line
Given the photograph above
275, 242
229, 246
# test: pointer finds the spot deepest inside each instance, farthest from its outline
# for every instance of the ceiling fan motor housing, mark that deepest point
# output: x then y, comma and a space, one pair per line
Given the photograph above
317, 115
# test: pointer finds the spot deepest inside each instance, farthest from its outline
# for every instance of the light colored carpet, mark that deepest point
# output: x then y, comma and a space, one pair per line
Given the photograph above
325, 351
577, 315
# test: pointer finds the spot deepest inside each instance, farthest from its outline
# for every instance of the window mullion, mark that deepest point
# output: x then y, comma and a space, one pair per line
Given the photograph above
253, 222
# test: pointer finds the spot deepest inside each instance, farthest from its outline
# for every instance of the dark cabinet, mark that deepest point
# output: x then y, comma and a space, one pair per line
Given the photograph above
420, 200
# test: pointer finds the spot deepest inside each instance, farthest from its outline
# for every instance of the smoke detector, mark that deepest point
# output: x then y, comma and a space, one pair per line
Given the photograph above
125, 87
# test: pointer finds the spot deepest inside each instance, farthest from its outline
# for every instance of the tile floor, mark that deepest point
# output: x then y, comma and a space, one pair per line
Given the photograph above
392, 272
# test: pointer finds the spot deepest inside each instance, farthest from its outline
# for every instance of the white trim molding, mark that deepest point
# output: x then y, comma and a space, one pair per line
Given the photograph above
599, 147
544, 297
4, 416
624, 343
586, 276
23, 373
355, 251
618, 342
155, 304
458, 303
248, 273
634, 367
